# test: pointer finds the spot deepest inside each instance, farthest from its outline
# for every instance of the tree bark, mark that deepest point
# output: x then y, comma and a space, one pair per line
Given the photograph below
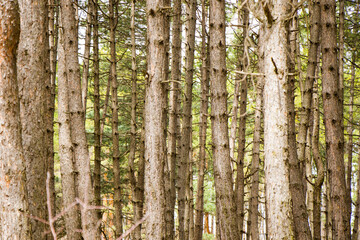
225, 197
173, 118
333, 114
14, 224
204, 106
276, 148
34, 79
299, 210
186, 141
154, 132
77, 120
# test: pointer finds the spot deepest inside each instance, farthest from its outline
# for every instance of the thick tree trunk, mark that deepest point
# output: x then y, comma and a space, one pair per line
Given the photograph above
186, 141
173, 119
225, 197
199, 208
334, 135
86, 59
154, 132
276, 148
33, 78
97, 119
299, 210
77, 120
113, 19
14, 224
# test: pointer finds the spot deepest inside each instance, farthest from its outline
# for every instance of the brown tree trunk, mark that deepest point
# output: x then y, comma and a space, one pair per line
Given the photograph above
77, 120
97, 119
275, 52
173, 119
225, 197
33, 77
186, 141
299, 210
199, 208
113, 19
14, 224
86, 59
334, 136
154, 132
51, 91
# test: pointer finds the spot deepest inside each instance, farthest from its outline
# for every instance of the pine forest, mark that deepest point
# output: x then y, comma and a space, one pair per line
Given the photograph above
179, 119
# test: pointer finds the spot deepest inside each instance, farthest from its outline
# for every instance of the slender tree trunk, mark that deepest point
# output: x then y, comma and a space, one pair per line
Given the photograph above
275, 48
240, 185
97, 119
319, 164
299, 210
113, 18
154, 132
13, 197
53, 43
334, 136
186, 141
199, 208
173, 118
86, 59
77, 120
67, 166
33, 77
225, 197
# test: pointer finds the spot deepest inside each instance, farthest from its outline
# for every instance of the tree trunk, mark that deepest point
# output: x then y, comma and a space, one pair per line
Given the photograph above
97, 119
14, 224
276, 148
204, 105
86, 59
113, 19
77, 120
33, 77
173, 118
154, 132
299, 210
333, 114
225, 197
186, 141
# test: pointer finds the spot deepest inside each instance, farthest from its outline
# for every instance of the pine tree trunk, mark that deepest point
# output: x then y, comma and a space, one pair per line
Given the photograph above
225, 197
173, 119
334, 135
77, 120
199, 208
154, 132
299, 210
276, 149
13, 197
186, 141
33, 77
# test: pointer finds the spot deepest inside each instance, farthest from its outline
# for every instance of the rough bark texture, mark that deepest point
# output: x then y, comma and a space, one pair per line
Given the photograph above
276, 149
154, 132
186, 141
33, 79
204, 106
14, 224
334, 136
97, 119
299, 210
243, 20
51, 91
225, 199
77, 119
173, 118
113, 19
